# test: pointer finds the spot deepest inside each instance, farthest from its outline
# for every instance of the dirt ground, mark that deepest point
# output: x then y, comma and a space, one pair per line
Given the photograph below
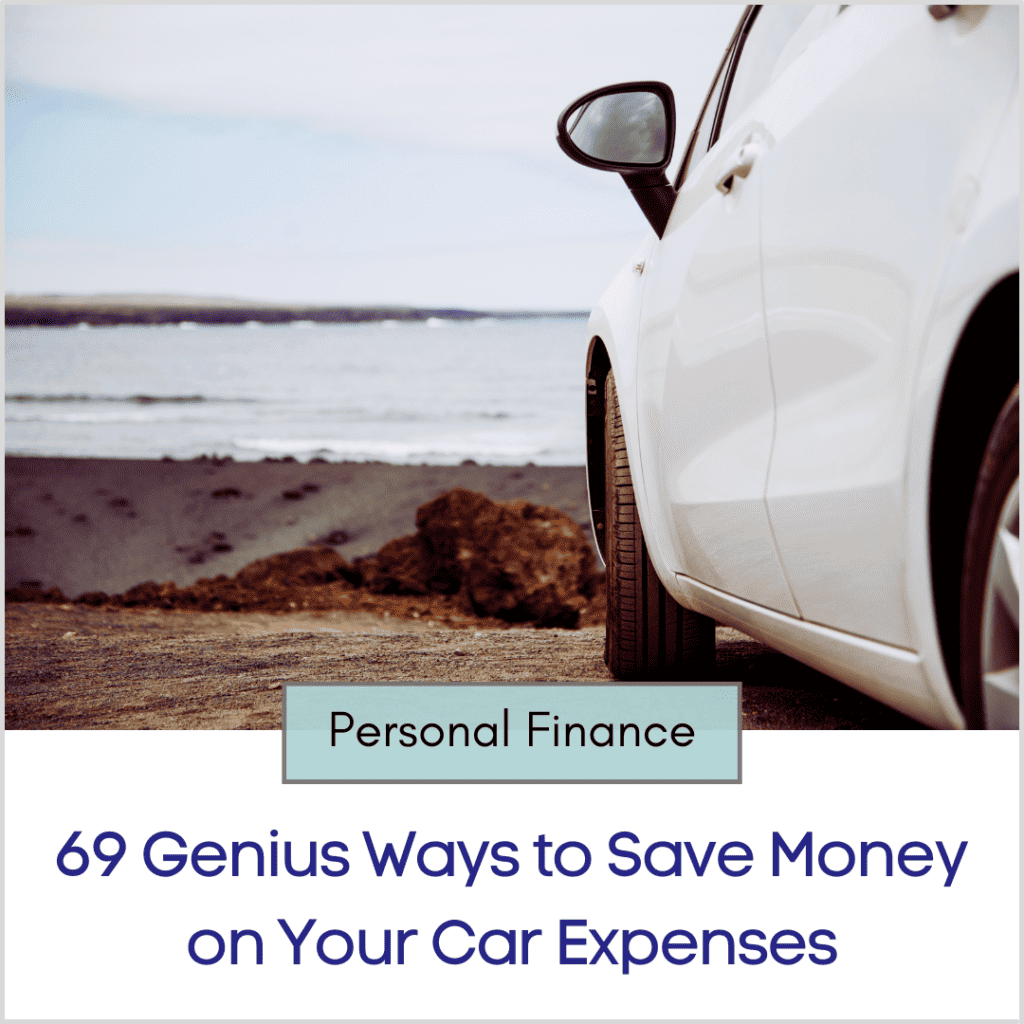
75, 667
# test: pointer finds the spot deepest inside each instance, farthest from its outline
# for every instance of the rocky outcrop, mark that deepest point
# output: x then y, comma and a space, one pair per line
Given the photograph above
514, 560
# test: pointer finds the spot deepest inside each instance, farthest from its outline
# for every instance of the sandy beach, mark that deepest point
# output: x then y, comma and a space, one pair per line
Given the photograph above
87, 525
109, 524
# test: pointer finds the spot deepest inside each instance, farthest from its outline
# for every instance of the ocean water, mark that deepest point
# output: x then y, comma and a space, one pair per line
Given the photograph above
495, 391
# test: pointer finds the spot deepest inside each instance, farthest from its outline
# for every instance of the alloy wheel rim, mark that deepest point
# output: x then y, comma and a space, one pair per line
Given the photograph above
1000, 631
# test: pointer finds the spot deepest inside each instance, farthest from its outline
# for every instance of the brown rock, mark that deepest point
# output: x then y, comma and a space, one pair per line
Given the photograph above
399, 568
304, 567
515, 560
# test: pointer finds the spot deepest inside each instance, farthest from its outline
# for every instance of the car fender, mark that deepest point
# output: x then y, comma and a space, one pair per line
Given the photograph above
987, 251
615, 325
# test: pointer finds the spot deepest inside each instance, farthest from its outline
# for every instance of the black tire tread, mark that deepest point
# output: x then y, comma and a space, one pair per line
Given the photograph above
648, 635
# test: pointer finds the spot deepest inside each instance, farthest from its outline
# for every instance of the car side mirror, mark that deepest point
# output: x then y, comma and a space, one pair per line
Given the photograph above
628, 128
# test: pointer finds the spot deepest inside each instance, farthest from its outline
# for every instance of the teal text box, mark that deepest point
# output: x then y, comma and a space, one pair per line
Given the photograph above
481, 732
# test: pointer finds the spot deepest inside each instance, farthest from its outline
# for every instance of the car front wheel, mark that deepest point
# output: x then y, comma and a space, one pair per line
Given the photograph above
990, 592
648, 635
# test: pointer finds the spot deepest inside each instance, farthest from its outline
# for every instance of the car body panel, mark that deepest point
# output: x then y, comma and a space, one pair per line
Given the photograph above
829, 406
986, 252
613, 327
705, 414
890, 674
849, 292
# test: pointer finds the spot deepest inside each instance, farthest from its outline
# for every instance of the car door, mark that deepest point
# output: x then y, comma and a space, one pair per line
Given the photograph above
880, 133
705, 409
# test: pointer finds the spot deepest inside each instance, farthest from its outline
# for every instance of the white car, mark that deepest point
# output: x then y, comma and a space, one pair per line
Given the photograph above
802, 390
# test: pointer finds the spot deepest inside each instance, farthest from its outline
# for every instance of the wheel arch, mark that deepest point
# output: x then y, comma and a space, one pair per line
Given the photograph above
614, 336
968, 409
598, 367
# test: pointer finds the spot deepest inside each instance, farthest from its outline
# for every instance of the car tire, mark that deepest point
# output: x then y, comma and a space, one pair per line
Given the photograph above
990, 588
647, 634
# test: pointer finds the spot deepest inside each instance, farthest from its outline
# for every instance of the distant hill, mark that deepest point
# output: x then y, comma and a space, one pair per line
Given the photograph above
108, 310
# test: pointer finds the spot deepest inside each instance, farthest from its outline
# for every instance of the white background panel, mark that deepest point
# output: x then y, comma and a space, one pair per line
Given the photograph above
907, 947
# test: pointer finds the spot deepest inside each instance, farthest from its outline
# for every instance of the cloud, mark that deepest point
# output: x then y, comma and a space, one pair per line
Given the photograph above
460, 76
328, 153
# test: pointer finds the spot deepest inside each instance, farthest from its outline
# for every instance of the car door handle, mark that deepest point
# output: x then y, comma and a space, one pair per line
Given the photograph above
738, 167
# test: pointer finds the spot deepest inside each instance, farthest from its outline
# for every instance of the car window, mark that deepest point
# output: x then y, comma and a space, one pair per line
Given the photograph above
703, 137
700, 137
765, 54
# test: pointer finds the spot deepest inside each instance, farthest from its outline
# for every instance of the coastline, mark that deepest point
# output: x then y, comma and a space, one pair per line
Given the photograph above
113, 310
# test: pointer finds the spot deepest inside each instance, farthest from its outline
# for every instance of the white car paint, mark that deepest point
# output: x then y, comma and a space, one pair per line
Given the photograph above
846, 321
780, 448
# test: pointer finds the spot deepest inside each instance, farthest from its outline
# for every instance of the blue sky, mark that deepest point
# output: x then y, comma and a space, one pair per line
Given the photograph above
327, 154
